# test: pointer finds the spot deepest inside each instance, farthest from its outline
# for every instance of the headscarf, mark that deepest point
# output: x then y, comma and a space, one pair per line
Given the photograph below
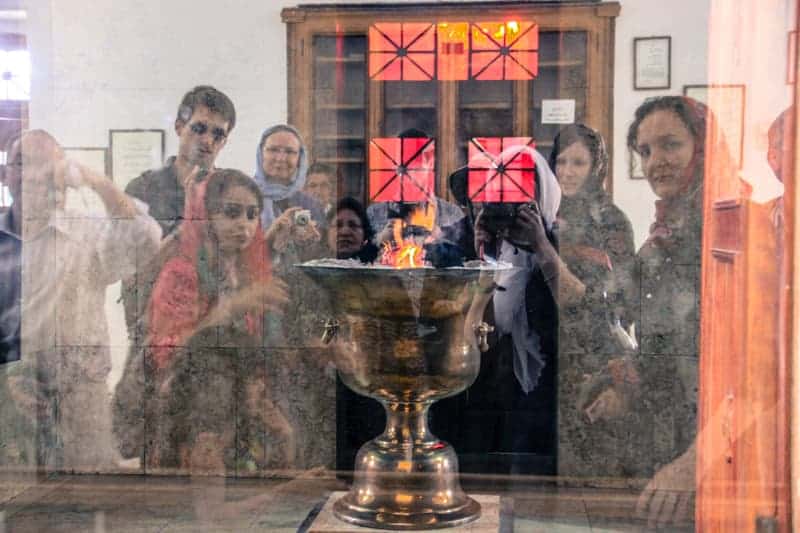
578, 208
174, 311
510, 305
271, 189
680, 217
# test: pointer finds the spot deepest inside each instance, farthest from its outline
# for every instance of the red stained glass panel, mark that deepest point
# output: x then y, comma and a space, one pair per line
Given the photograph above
504, 50
402, 52
402, 170
501, 169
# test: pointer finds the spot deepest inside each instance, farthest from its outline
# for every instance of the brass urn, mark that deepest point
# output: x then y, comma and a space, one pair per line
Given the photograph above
405, 337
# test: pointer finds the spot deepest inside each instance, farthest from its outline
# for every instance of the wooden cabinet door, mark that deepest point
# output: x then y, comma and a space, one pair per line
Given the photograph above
743, 445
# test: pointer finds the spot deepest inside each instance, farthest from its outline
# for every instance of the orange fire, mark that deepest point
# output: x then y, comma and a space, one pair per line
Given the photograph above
403, 252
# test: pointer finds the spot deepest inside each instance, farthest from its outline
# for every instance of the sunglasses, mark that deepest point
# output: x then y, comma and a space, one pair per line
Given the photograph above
201, 128
234, 211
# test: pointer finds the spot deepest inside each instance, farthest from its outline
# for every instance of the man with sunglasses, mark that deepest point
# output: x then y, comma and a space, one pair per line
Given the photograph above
204, 120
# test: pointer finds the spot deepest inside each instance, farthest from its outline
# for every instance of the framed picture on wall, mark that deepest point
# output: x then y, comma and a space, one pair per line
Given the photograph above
635, 171
727, 103
133, 152
94, 158
652, 63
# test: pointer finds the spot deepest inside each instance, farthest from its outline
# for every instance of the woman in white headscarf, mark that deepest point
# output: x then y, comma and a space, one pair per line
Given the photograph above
506, 421
281, 166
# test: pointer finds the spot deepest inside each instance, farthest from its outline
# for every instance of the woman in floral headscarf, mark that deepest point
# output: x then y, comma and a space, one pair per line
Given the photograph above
215, 290
596, 243
677, 140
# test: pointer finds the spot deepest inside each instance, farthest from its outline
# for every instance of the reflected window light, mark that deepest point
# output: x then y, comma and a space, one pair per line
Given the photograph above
15, 75
5, 197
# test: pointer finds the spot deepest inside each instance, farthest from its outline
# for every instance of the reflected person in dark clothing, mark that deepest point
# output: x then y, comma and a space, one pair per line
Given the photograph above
10, 274
205, 118
506, 421
349, 233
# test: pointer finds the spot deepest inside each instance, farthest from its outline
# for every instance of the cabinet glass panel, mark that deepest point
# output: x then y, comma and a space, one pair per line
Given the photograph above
562, 75
485, 109
340, 109
410, 104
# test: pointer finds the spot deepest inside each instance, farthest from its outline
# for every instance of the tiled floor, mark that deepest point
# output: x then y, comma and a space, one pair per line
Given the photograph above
172, 504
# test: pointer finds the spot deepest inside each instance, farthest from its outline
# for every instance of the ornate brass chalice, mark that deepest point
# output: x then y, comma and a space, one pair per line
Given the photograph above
405, 337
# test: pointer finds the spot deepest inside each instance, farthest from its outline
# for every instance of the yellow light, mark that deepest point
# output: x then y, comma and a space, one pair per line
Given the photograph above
404, 499
513, 26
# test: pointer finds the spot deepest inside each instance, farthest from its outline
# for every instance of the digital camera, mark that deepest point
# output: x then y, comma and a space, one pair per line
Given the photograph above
302, 217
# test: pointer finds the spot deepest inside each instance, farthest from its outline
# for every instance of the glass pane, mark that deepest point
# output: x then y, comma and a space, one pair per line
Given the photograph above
340, 99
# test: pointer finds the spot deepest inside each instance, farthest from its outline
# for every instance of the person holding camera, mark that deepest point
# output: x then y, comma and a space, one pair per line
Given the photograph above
292, 220
506, 421
281, 167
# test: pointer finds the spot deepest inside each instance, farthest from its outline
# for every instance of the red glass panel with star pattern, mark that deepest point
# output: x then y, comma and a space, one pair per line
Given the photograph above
504, 50
402, 170
402, 51
501, 169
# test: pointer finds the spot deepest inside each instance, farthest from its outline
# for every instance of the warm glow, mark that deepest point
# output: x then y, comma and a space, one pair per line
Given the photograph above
408, 251
408, 255
453, 51
423, 216
504, 50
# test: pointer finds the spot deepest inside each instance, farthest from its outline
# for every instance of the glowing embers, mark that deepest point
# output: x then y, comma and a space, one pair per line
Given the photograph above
404, 52
501, 169
401, 170
504, 50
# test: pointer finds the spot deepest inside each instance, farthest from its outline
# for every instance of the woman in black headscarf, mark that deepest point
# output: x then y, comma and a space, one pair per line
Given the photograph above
350, 234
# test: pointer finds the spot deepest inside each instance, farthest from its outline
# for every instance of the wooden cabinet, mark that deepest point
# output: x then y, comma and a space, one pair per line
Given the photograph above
339, 109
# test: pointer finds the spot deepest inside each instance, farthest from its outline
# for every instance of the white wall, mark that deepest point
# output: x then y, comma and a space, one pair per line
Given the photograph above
686, 21
123, 64
106, 64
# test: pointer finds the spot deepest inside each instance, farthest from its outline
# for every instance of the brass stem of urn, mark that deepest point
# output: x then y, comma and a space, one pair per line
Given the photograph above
405, 338
406, 478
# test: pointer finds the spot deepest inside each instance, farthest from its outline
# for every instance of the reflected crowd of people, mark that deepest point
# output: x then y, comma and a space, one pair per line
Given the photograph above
592, 370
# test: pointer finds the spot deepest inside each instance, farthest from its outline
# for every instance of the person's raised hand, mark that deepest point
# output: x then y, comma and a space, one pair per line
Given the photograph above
527, 231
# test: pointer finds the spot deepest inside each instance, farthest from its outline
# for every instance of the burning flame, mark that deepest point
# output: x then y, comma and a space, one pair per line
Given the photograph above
408, 252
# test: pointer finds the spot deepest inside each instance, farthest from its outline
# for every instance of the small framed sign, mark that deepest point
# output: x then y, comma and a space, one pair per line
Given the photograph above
635, 171
133, 152
652, 63
558, 111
